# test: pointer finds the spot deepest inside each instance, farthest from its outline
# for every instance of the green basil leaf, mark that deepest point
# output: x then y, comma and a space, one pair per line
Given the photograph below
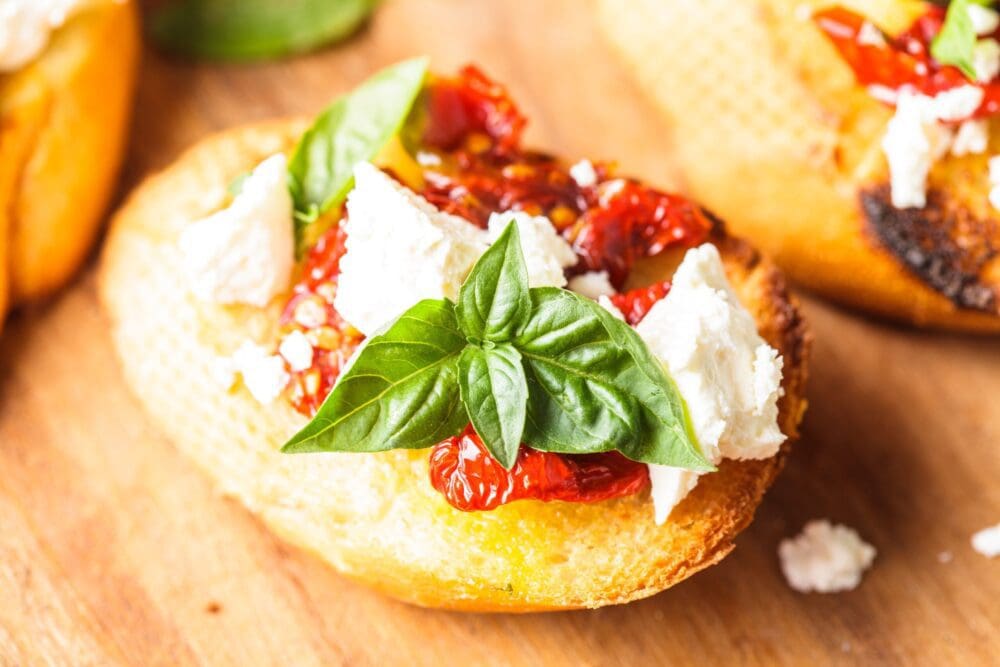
495, 394
594, 386
575, 405
494, 302
669, 433
956, 42
401, 391
351, 130
254, 29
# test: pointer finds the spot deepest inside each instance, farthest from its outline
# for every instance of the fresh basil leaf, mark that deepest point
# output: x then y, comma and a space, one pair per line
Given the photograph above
669, 436
594, 386
575, 405
493, 301
351, 130
495, 394
956, 42
402, 390
254, 29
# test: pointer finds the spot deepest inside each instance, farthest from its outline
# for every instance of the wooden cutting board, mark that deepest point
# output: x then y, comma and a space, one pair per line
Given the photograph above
115, 550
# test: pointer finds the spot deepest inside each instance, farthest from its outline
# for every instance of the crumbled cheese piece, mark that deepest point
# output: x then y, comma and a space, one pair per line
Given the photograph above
957, 103
263, 374
310, 313
986, 60
668, 487
972, 138
825, 558
25, 28
583, 173
592, 284
297, 351
606, 303
245, 252
428, 159
729, 376
610, 189
869, 35
984, 19
400, 250
913, 141
546, 253
987, 541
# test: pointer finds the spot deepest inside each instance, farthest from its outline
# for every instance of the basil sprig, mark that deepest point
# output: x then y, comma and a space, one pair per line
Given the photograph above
254, 29
541, 366
956, 42
351, 130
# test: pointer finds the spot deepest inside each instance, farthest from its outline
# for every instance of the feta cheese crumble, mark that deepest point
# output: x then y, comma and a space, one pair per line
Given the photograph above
244, 253
296, 350
546, 253
987, 541
984, 19
583, 173
913, 141
592, 284
729, 376
263, 373
825, 558
25, 28
869, 35
972, 138
400, 250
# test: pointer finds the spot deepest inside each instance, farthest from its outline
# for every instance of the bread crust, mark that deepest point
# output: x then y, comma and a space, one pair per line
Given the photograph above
375, 517
63, 124
779, 139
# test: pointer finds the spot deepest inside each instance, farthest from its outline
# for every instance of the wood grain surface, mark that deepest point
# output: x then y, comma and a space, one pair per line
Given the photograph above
114, 550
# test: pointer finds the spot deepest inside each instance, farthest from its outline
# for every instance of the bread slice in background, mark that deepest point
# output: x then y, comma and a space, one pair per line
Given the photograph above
63, 127
375, 517
775, 135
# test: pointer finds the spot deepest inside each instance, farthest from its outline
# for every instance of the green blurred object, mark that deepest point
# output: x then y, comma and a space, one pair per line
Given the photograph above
254, 29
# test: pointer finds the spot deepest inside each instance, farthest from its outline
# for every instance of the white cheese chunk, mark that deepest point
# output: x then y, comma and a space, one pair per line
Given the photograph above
400, 250
972, 138
592, 284
987, 541
25, 28
668, 487
825, 558
583, 173
957, 103
729, 376
986, 60
984, 19
546, 253
263, 373
296, 350
244, 253
869, 35
913, 141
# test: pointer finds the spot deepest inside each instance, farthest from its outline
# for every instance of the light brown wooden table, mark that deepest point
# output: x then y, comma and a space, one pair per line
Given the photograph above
115, 550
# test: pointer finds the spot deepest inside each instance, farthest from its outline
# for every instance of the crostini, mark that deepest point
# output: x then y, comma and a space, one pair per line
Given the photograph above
67, 75
444, 396
851, 140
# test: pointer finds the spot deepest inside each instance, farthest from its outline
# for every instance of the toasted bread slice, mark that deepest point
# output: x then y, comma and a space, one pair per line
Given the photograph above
778, 139
63, 124
375, 517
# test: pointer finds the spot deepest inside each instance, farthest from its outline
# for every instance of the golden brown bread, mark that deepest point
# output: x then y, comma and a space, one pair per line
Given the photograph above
375, 517
63, 124
779, 140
